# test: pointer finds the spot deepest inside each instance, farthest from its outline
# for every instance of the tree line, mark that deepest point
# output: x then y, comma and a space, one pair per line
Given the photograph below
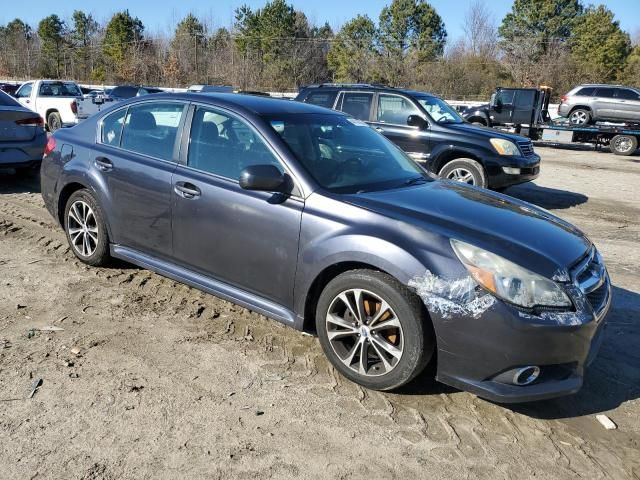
558, 43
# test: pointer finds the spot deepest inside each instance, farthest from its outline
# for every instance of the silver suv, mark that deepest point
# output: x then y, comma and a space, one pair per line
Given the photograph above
593, 103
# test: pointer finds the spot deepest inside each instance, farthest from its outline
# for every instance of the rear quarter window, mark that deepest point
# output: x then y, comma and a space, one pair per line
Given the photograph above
586, 92
322, 99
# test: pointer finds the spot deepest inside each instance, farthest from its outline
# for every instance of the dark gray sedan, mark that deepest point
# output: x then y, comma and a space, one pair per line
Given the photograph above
22, 135
311, 217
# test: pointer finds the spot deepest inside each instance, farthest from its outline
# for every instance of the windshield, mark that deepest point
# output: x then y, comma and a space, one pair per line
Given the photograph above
59, 89
439, 110
345, 155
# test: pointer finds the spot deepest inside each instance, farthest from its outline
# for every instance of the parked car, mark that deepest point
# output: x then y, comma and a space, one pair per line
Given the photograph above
55, 101
312, 218
22, 135
591, 103
124, 92
210, 89
430, 131
9, 88
93, 102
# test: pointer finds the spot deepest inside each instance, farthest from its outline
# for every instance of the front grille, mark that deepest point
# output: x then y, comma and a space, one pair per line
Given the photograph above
526, 147
590, 276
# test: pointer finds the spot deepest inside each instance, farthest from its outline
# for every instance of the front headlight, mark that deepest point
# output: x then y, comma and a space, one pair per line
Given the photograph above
504, 147
509, 281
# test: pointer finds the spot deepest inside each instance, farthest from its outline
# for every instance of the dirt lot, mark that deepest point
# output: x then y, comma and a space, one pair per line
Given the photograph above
172, 383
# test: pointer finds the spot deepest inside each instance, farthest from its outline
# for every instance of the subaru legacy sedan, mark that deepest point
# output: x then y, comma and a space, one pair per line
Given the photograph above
314, 219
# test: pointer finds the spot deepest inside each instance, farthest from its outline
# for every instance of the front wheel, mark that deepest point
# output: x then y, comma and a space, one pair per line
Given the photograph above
85, 228
464, 170
373, 329
623, 145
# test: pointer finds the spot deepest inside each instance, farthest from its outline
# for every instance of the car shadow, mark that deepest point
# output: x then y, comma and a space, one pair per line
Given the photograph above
548, 198
12, 182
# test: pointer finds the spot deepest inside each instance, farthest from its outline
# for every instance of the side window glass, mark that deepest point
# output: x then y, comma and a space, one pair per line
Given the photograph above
395, 109
605, 92
152, 128
322, 99
356, 104
224, 145
626, 94
586, 92
525, 99
24, 90
112, 128
505, 97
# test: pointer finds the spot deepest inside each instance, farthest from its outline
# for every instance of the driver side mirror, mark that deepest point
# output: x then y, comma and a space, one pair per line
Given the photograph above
417, 121
265, 178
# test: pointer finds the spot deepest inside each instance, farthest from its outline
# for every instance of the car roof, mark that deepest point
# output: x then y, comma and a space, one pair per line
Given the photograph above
255, 104
367, 86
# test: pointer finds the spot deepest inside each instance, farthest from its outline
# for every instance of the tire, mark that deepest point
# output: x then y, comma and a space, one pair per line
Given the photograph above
54, 122
406, 348
464, 170
580, 116
76, 215
623, 144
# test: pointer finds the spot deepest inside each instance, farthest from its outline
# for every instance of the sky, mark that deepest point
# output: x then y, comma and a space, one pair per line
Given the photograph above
161, 17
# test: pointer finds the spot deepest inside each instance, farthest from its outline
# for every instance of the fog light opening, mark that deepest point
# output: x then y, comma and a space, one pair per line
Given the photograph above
511, 170
526, 375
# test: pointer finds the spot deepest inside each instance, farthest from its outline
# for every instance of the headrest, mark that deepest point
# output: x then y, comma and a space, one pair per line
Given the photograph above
209, 132
142, 121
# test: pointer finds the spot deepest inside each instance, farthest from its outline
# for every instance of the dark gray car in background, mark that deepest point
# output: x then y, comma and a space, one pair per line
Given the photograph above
312, 218
22, 135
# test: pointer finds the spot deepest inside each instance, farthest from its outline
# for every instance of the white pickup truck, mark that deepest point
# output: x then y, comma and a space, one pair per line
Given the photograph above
54, 100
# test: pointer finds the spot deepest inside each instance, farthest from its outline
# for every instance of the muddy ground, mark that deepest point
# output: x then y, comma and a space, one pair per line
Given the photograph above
152, 379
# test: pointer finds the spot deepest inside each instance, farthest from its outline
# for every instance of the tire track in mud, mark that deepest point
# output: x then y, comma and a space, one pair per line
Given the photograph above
446, 428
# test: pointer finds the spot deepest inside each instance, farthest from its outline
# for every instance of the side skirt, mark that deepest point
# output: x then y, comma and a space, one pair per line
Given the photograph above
207, 284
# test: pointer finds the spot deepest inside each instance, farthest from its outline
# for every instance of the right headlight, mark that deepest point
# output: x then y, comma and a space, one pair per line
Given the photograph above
504, 147
509, 281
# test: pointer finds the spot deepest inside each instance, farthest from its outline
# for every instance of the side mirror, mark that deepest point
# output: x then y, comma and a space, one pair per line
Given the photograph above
417, 121
493, 103
266, 178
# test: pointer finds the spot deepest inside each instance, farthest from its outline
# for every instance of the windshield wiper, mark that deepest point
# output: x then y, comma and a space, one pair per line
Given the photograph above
414, 180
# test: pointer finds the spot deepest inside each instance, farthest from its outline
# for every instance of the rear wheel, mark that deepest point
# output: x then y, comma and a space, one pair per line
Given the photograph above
373, 329
580, 116
464, 170
623, 144
85, 228
54, 122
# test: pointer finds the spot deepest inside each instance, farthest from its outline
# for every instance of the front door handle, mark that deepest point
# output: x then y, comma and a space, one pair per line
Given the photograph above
186, 190
103, 164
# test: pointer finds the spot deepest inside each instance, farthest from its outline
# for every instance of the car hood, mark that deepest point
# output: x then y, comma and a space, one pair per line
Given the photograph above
487, 132
518, 231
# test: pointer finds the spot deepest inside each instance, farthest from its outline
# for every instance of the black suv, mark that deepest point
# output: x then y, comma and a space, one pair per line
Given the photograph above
430, 131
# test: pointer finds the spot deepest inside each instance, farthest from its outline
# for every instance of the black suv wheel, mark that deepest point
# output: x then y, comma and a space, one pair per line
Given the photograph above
464, 170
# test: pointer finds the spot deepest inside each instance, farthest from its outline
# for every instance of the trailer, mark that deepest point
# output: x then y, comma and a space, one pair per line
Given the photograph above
528, 115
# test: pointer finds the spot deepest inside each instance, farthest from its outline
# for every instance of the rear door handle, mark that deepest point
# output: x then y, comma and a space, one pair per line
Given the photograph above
104, 164
186, 190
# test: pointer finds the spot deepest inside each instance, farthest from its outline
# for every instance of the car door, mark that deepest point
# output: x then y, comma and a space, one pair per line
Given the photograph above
628, 104
355, 103
248, 239
136, 155
24, 95
502, 112
605, 105
390, 118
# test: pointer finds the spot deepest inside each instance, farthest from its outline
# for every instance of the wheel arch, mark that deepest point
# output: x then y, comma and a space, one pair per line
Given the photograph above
580, 107
73, 185
449, 155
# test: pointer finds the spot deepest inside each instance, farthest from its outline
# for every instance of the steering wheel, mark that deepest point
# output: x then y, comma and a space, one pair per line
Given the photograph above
351, 165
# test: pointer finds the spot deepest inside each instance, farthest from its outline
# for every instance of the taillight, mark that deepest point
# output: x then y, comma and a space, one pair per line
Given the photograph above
74, 107
50, 146
563, 98
30, 121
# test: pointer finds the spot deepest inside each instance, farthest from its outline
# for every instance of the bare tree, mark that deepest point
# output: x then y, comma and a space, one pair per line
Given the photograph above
481, 37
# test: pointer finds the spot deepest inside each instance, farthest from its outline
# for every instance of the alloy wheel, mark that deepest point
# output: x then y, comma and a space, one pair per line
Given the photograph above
623, 144
579, 117
364, 332
82, 228
461, 175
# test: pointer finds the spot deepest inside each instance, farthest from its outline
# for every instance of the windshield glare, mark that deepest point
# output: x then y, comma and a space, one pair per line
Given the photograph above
439, 110
345, 155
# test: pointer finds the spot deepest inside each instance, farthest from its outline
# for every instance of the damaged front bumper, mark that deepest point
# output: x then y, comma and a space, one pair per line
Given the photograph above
482, 342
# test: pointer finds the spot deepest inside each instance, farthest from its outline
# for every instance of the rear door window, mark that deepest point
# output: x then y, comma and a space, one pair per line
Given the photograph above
152, 128
586, 92
357, 104
322, 99
394, 109
112, 128
605, 92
